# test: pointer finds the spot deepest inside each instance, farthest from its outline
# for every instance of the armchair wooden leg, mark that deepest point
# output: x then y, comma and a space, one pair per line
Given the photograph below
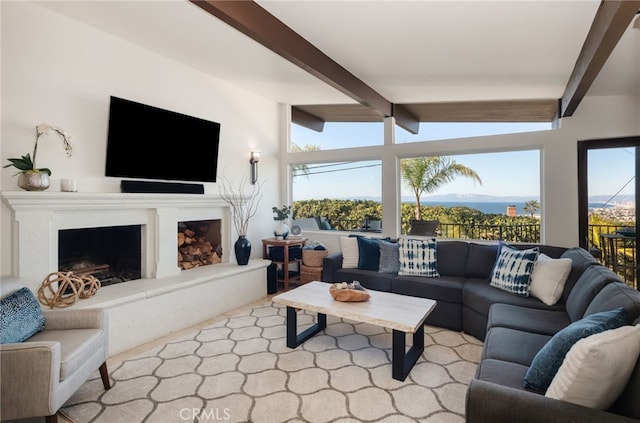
104, 374
52, 418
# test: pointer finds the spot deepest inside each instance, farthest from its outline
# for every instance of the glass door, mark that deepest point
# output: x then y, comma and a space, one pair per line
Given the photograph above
608, 188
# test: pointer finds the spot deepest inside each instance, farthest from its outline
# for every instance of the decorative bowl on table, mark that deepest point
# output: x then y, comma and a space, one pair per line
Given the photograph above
348, 292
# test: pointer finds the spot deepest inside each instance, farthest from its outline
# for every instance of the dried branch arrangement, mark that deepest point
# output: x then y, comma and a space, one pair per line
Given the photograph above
244, 203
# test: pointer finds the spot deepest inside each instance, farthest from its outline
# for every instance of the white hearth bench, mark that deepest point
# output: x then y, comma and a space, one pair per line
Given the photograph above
165, 299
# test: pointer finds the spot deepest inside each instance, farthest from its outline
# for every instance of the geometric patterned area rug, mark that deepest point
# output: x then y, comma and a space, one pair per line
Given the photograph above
239, 369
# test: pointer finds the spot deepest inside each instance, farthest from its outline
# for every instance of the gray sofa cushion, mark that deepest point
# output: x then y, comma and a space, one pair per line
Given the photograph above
447, 289
580, 260
446, 315
481, 260
549, 250
473, 322
514, 346
503, 373
452, 257
370, 280
616, 294
546, 322
478, 295
593, 279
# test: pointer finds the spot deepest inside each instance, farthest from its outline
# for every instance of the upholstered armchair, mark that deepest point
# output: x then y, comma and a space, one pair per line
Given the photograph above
41, 373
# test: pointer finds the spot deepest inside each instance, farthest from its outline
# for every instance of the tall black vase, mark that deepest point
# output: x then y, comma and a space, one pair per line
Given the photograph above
242, 248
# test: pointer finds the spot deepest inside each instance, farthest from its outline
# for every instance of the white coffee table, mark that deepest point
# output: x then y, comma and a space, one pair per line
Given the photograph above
401, 313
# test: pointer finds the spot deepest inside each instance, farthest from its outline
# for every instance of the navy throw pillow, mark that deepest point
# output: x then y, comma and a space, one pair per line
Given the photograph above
548, 360
368, 254
20, 317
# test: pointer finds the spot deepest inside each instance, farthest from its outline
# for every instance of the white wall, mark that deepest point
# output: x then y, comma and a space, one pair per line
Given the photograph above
56, 70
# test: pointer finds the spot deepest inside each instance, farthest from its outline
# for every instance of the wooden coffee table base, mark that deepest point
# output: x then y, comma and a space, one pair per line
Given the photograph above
402, 361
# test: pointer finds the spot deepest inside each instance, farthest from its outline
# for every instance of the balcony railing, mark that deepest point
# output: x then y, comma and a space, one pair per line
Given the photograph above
615, 249
510, 233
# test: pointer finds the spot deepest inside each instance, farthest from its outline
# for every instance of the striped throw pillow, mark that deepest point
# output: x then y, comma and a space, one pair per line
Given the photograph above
512, 270
350, 254
418, 257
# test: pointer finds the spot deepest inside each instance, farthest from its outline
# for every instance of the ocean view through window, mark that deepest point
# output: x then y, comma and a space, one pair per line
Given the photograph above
349, 192
511, 174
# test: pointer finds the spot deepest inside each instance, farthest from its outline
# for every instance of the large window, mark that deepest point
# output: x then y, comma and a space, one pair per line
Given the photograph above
479, 196
347, 194
505, 177
432, 131
350, 187
339, 135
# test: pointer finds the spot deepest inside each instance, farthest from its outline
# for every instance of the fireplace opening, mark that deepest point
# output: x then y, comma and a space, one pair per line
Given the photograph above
199, 243
111, 254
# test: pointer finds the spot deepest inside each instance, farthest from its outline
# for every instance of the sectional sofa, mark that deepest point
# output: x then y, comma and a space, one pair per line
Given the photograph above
517, 330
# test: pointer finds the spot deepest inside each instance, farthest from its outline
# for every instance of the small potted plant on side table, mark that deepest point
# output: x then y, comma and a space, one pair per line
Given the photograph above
281, 230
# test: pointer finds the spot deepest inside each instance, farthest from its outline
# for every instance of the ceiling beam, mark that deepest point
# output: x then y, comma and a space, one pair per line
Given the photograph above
611, 21
406, 119
255, 22
302, 118
534, 110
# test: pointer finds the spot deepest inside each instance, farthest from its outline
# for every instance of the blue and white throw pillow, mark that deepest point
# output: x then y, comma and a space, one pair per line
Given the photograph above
512, 270
20, 317
418, 257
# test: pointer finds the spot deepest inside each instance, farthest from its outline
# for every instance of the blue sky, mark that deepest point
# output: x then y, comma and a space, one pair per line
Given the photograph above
502, 174
610, 169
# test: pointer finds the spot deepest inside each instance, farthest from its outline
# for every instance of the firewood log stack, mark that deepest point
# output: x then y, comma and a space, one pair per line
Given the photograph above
194, 249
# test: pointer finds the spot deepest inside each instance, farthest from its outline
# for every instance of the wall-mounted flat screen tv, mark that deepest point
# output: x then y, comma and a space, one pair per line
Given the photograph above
148, 142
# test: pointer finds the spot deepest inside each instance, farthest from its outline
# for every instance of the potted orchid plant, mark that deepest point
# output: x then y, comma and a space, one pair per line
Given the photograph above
31, 177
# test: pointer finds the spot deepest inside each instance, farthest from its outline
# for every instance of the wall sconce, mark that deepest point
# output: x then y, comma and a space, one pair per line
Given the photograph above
255, 158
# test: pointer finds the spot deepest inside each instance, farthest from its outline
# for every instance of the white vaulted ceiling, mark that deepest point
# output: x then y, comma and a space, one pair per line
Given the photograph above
408, 51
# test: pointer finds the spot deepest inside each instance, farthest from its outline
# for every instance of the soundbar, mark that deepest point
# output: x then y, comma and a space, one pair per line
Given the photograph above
148, 187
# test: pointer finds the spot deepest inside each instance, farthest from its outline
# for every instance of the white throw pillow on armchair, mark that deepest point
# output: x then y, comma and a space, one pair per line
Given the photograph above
548, 278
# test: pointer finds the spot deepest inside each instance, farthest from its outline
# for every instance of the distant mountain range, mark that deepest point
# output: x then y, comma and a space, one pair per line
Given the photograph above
617, 199
471, 198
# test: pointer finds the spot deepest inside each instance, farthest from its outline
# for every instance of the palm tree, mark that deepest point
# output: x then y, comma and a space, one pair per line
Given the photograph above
531, 207
301, 169
427, 174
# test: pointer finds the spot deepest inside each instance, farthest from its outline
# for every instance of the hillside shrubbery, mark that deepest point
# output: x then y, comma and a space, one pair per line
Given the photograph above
456, 222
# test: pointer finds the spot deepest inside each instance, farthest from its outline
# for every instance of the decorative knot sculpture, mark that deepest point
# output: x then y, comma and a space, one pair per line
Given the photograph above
62, 289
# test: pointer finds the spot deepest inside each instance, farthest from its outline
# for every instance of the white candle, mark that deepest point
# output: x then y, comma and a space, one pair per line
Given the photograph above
68, 185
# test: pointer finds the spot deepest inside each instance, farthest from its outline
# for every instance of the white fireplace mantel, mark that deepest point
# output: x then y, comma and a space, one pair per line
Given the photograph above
166, 299
38, 216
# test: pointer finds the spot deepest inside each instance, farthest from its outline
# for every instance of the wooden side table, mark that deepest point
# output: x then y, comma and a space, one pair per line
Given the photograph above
285, 243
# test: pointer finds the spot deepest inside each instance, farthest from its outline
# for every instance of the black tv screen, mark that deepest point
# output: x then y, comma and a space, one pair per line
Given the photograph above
148, 142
